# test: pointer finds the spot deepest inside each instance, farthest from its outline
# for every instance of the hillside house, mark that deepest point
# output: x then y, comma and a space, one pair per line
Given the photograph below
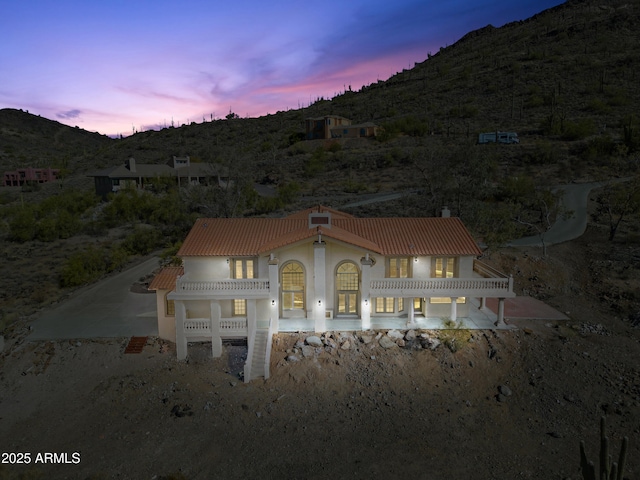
334, 126
317, 270
22, 176
181, 169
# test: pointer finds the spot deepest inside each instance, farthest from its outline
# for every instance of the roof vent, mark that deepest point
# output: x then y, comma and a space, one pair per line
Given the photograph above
317, 219
446, 213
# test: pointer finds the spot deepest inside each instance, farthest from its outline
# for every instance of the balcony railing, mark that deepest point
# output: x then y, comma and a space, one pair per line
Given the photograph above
241, 288
442, 287
229, 327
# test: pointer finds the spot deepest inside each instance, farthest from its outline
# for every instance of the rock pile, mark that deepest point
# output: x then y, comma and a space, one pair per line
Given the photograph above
332, 342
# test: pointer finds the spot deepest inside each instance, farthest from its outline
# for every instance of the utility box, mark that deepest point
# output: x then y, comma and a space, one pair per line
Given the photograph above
498, 137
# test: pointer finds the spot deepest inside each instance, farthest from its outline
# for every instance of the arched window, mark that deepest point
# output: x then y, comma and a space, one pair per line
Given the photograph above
347, 288
292, 286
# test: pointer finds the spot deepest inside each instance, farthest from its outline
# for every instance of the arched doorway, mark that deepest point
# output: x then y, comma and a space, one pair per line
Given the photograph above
292, 290
347, 289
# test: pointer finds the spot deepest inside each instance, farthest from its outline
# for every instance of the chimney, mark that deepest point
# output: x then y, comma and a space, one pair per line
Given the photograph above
446, 213
131, 164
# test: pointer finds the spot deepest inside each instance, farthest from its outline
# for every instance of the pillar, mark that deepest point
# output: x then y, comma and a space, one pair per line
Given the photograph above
181, 339
411, 320
320, 286
216, 339
274, 289
454, 308
365, 313
500, 321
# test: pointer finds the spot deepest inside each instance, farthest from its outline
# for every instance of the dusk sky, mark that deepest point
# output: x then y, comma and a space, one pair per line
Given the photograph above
113, 66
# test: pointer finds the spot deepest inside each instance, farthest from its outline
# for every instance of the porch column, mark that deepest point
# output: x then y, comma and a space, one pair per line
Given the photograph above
500, 321
483, 303
366, 263
274, 288
181, 340
454, 308
251, 323
319, 285
216, 340
411, 320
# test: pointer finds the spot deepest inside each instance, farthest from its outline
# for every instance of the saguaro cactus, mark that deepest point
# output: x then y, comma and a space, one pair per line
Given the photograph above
609, 470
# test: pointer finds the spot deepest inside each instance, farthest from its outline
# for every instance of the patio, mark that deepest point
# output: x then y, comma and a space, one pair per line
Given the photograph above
478, 319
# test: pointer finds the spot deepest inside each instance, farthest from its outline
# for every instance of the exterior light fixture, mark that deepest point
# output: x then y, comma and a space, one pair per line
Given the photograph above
366, 302
319, 303
415, 259
273, 303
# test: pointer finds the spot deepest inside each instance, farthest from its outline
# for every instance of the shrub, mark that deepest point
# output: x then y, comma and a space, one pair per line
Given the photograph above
454, 335
84, 267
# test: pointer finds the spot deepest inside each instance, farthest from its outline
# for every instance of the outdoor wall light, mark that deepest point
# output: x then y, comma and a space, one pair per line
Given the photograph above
319, 303
366, 302
273, 303
415, 259
227, 261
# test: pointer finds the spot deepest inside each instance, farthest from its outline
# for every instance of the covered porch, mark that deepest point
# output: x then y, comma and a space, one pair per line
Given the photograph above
479, 318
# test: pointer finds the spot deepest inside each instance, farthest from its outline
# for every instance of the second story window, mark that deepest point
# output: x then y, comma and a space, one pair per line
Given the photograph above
243, 268
398, 268
444, 267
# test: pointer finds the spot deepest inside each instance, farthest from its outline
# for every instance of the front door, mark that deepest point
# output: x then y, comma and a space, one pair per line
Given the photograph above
347, 289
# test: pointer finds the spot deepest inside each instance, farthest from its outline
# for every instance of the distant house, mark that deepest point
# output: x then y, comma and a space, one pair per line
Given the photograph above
185, 172
316, 270
334, 126
23, 176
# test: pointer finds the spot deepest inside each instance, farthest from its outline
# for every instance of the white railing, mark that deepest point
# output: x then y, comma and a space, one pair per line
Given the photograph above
202, 327
233, 325
445, 287
197, 326
486, 271
267, 357
240, 285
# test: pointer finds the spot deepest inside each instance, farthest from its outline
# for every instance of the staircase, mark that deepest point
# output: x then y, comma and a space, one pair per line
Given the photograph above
256, 366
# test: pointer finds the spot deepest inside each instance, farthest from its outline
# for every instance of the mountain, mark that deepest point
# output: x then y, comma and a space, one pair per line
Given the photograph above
563, 75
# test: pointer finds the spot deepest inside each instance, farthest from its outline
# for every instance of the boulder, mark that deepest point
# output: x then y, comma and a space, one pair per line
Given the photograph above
366, 339
346, 345
410, 335
387, 342
314, 341
308, 351
395, 334
504, 390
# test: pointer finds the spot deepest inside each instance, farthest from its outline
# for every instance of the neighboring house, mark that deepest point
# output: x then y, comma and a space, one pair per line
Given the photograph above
22, 176
334, 126
181, 169
318, 270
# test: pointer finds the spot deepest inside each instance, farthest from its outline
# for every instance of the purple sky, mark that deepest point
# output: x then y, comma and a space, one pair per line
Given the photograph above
111, 66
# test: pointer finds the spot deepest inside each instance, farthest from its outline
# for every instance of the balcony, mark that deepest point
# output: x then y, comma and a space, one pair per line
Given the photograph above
222, 289
489, 282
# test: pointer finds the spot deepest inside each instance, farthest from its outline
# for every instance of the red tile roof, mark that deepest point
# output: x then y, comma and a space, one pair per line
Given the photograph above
386, 236
166, 278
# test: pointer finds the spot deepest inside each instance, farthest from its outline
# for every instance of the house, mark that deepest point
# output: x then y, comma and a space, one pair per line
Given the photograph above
334, 126
503, 137
184, 172
317, 270
22, 176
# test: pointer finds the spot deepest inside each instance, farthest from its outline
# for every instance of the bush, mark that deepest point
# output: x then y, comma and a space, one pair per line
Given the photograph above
454, 335
84, 267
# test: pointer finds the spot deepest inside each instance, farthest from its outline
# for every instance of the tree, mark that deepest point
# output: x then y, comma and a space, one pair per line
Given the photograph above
617, 201
540, 211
